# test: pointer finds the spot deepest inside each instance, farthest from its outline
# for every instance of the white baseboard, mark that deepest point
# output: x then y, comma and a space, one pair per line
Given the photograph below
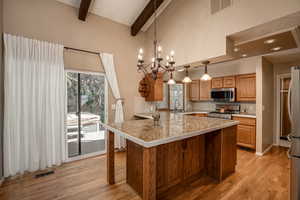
265, 151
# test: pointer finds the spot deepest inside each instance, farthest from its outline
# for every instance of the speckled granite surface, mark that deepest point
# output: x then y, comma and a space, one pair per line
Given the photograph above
172, 127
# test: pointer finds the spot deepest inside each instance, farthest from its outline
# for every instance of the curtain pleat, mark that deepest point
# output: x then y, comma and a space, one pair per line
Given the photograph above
109, 67
34, 105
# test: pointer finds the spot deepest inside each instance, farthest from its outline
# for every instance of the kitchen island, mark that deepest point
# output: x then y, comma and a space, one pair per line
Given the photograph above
181, 149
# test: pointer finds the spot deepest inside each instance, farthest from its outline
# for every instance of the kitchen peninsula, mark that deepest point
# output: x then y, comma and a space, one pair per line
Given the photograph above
182, 148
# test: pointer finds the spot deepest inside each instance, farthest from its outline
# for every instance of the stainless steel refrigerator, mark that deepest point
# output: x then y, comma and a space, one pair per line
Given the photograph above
294, 152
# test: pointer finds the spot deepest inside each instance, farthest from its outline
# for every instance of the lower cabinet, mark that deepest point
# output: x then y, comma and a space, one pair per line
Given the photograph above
246, 132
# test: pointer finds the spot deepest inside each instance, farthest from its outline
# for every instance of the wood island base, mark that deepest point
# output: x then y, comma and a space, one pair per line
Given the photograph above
152, 171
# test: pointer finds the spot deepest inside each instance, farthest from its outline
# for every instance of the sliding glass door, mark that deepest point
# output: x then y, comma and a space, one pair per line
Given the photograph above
86, 101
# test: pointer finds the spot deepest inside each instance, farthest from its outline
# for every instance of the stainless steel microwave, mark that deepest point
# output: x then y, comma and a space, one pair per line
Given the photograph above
223, 95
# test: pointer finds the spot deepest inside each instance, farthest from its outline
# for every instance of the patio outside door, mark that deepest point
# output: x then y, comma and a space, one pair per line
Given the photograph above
86, 108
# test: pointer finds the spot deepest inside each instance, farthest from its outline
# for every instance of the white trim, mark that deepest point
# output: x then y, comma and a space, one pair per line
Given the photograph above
79, 157
265, 151
278, 106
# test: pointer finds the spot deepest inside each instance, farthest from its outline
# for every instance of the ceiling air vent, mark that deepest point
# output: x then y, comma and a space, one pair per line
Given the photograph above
218, 5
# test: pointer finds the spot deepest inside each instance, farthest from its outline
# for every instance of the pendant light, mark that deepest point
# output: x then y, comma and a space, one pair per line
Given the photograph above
186, 79
206, 76
171, 80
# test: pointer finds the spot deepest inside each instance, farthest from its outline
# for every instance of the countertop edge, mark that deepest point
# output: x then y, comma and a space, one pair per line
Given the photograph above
167, 140
244, 115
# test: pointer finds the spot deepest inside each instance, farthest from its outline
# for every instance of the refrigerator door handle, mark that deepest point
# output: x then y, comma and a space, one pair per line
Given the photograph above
289, 102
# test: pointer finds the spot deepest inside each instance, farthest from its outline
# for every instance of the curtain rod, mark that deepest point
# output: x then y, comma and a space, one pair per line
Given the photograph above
86, 51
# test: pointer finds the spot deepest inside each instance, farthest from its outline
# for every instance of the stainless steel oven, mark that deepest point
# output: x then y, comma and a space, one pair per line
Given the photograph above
223, 95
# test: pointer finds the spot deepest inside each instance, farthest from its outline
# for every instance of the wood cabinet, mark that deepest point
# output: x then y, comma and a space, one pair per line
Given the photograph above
199, 90
246, 87
155, 88
193, 156
205, 89
194, 90
229, 82
217, 82
246, 132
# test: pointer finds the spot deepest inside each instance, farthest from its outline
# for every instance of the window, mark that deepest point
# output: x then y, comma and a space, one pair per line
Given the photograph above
86, 107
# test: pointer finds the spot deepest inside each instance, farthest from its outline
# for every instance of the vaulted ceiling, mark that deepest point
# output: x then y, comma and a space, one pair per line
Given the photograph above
122, 11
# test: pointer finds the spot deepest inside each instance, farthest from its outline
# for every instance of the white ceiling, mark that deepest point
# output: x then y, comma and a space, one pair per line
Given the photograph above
122, 11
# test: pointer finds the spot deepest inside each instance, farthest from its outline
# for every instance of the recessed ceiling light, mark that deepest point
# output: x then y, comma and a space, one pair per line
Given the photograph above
276, 48
180, 70
236, 49
270, 41
244, 55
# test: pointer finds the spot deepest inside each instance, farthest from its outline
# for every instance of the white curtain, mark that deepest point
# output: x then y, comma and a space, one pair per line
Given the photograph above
34, 105
109, 67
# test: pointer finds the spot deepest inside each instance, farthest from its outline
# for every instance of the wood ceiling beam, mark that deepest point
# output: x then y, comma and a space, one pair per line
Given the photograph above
84, 9
144, 16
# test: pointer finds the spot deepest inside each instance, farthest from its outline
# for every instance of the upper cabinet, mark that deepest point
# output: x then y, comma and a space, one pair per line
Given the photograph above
229, 82
194, 90
217, 82
224, 82
199, 90
246, 87
205, 88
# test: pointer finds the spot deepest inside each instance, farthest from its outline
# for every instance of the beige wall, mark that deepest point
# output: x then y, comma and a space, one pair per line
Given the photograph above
56, 22
195, 34
268, 104
1, 86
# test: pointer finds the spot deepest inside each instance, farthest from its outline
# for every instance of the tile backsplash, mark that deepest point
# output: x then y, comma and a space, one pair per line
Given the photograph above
210, 106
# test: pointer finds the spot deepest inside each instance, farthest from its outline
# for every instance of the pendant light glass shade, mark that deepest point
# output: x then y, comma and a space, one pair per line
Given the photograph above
171, 81
187, 80
206, 77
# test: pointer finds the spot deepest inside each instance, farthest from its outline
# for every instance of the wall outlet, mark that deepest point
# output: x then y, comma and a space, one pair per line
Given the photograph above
113, 106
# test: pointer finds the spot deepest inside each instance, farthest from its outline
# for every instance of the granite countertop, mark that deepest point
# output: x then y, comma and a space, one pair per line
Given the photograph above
173, 127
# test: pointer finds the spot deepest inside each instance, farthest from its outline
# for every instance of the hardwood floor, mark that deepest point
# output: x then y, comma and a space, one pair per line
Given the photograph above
257, 178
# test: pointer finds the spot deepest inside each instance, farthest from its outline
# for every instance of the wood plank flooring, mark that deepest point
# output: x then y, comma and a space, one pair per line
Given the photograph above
257, 178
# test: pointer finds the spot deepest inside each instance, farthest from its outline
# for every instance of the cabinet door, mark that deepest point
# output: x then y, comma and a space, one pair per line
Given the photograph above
194, 90
229, 82
205, 88
217, 83
193, 161
246, 136
156, 88
169, 165
246, 87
